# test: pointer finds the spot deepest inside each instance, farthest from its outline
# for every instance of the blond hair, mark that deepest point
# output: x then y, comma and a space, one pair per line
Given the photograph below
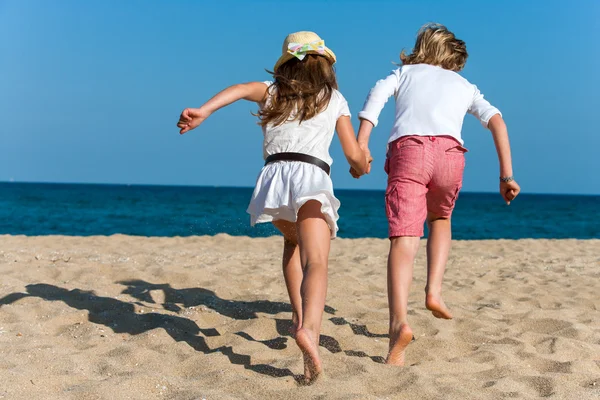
436, 45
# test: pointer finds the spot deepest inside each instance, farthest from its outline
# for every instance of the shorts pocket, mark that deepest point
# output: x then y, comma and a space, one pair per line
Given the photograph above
391, 201
455, 158
457, 149
408, 141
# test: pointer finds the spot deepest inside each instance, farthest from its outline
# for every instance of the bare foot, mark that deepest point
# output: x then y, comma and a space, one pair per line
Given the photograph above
437, 307
310, 351
398, 343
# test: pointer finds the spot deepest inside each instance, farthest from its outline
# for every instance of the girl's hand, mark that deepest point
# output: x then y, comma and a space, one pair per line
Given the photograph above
354, 174
191, 118
509, 190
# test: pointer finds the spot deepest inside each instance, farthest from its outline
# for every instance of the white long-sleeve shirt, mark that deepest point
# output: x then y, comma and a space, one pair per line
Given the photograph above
430, 101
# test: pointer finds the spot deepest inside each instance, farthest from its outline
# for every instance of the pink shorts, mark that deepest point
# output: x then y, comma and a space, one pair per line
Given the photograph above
424, 175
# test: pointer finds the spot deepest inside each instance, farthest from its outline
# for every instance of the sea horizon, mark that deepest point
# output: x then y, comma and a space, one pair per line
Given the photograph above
252, 187
75, 209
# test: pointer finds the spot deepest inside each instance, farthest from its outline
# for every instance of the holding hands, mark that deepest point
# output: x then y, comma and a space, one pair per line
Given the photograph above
355, 173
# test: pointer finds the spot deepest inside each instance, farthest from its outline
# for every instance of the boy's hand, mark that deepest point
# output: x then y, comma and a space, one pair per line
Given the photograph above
369, 158
509, 190
191, 118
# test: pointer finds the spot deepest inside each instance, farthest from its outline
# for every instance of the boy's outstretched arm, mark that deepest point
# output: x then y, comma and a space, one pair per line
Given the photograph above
356, 157
192, 117
509, 189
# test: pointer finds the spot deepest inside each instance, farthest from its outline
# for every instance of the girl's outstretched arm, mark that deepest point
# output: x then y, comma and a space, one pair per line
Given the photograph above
192, 117
356, 157
509, 189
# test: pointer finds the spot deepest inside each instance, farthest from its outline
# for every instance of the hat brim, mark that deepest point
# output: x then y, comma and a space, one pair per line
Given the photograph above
287, 57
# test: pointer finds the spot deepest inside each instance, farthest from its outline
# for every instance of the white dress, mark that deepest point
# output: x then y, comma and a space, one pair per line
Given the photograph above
283, 187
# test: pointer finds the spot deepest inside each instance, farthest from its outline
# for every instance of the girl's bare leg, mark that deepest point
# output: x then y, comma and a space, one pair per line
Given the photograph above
314, 241
403, 251
292, 269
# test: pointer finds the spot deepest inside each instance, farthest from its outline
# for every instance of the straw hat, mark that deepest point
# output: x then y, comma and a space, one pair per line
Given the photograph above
300, 43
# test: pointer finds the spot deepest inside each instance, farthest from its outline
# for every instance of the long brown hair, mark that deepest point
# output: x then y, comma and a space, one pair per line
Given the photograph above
436, 45
302, 89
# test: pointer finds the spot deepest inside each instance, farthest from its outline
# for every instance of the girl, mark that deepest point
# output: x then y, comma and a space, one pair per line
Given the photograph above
425, 162
298, 112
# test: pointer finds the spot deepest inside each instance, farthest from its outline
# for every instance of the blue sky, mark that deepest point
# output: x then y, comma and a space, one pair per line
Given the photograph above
90, 91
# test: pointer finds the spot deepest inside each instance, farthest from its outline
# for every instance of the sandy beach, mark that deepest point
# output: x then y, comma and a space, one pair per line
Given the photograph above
124, 317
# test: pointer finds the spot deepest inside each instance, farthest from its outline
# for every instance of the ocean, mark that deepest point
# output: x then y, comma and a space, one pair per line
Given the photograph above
85, 209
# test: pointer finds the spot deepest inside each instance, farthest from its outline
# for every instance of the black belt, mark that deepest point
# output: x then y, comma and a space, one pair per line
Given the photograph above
299, 157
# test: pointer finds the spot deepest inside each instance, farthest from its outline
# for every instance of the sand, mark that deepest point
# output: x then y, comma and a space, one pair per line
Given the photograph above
125, 317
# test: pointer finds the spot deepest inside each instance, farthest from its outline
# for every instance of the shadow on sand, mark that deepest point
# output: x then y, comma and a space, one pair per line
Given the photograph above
121, 317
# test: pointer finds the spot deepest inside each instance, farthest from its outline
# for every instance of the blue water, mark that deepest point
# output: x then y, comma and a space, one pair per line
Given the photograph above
59, 209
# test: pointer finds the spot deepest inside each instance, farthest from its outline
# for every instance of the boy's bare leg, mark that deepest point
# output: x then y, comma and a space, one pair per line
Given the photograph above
403, 251
314, 241
438, 248
292, 269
